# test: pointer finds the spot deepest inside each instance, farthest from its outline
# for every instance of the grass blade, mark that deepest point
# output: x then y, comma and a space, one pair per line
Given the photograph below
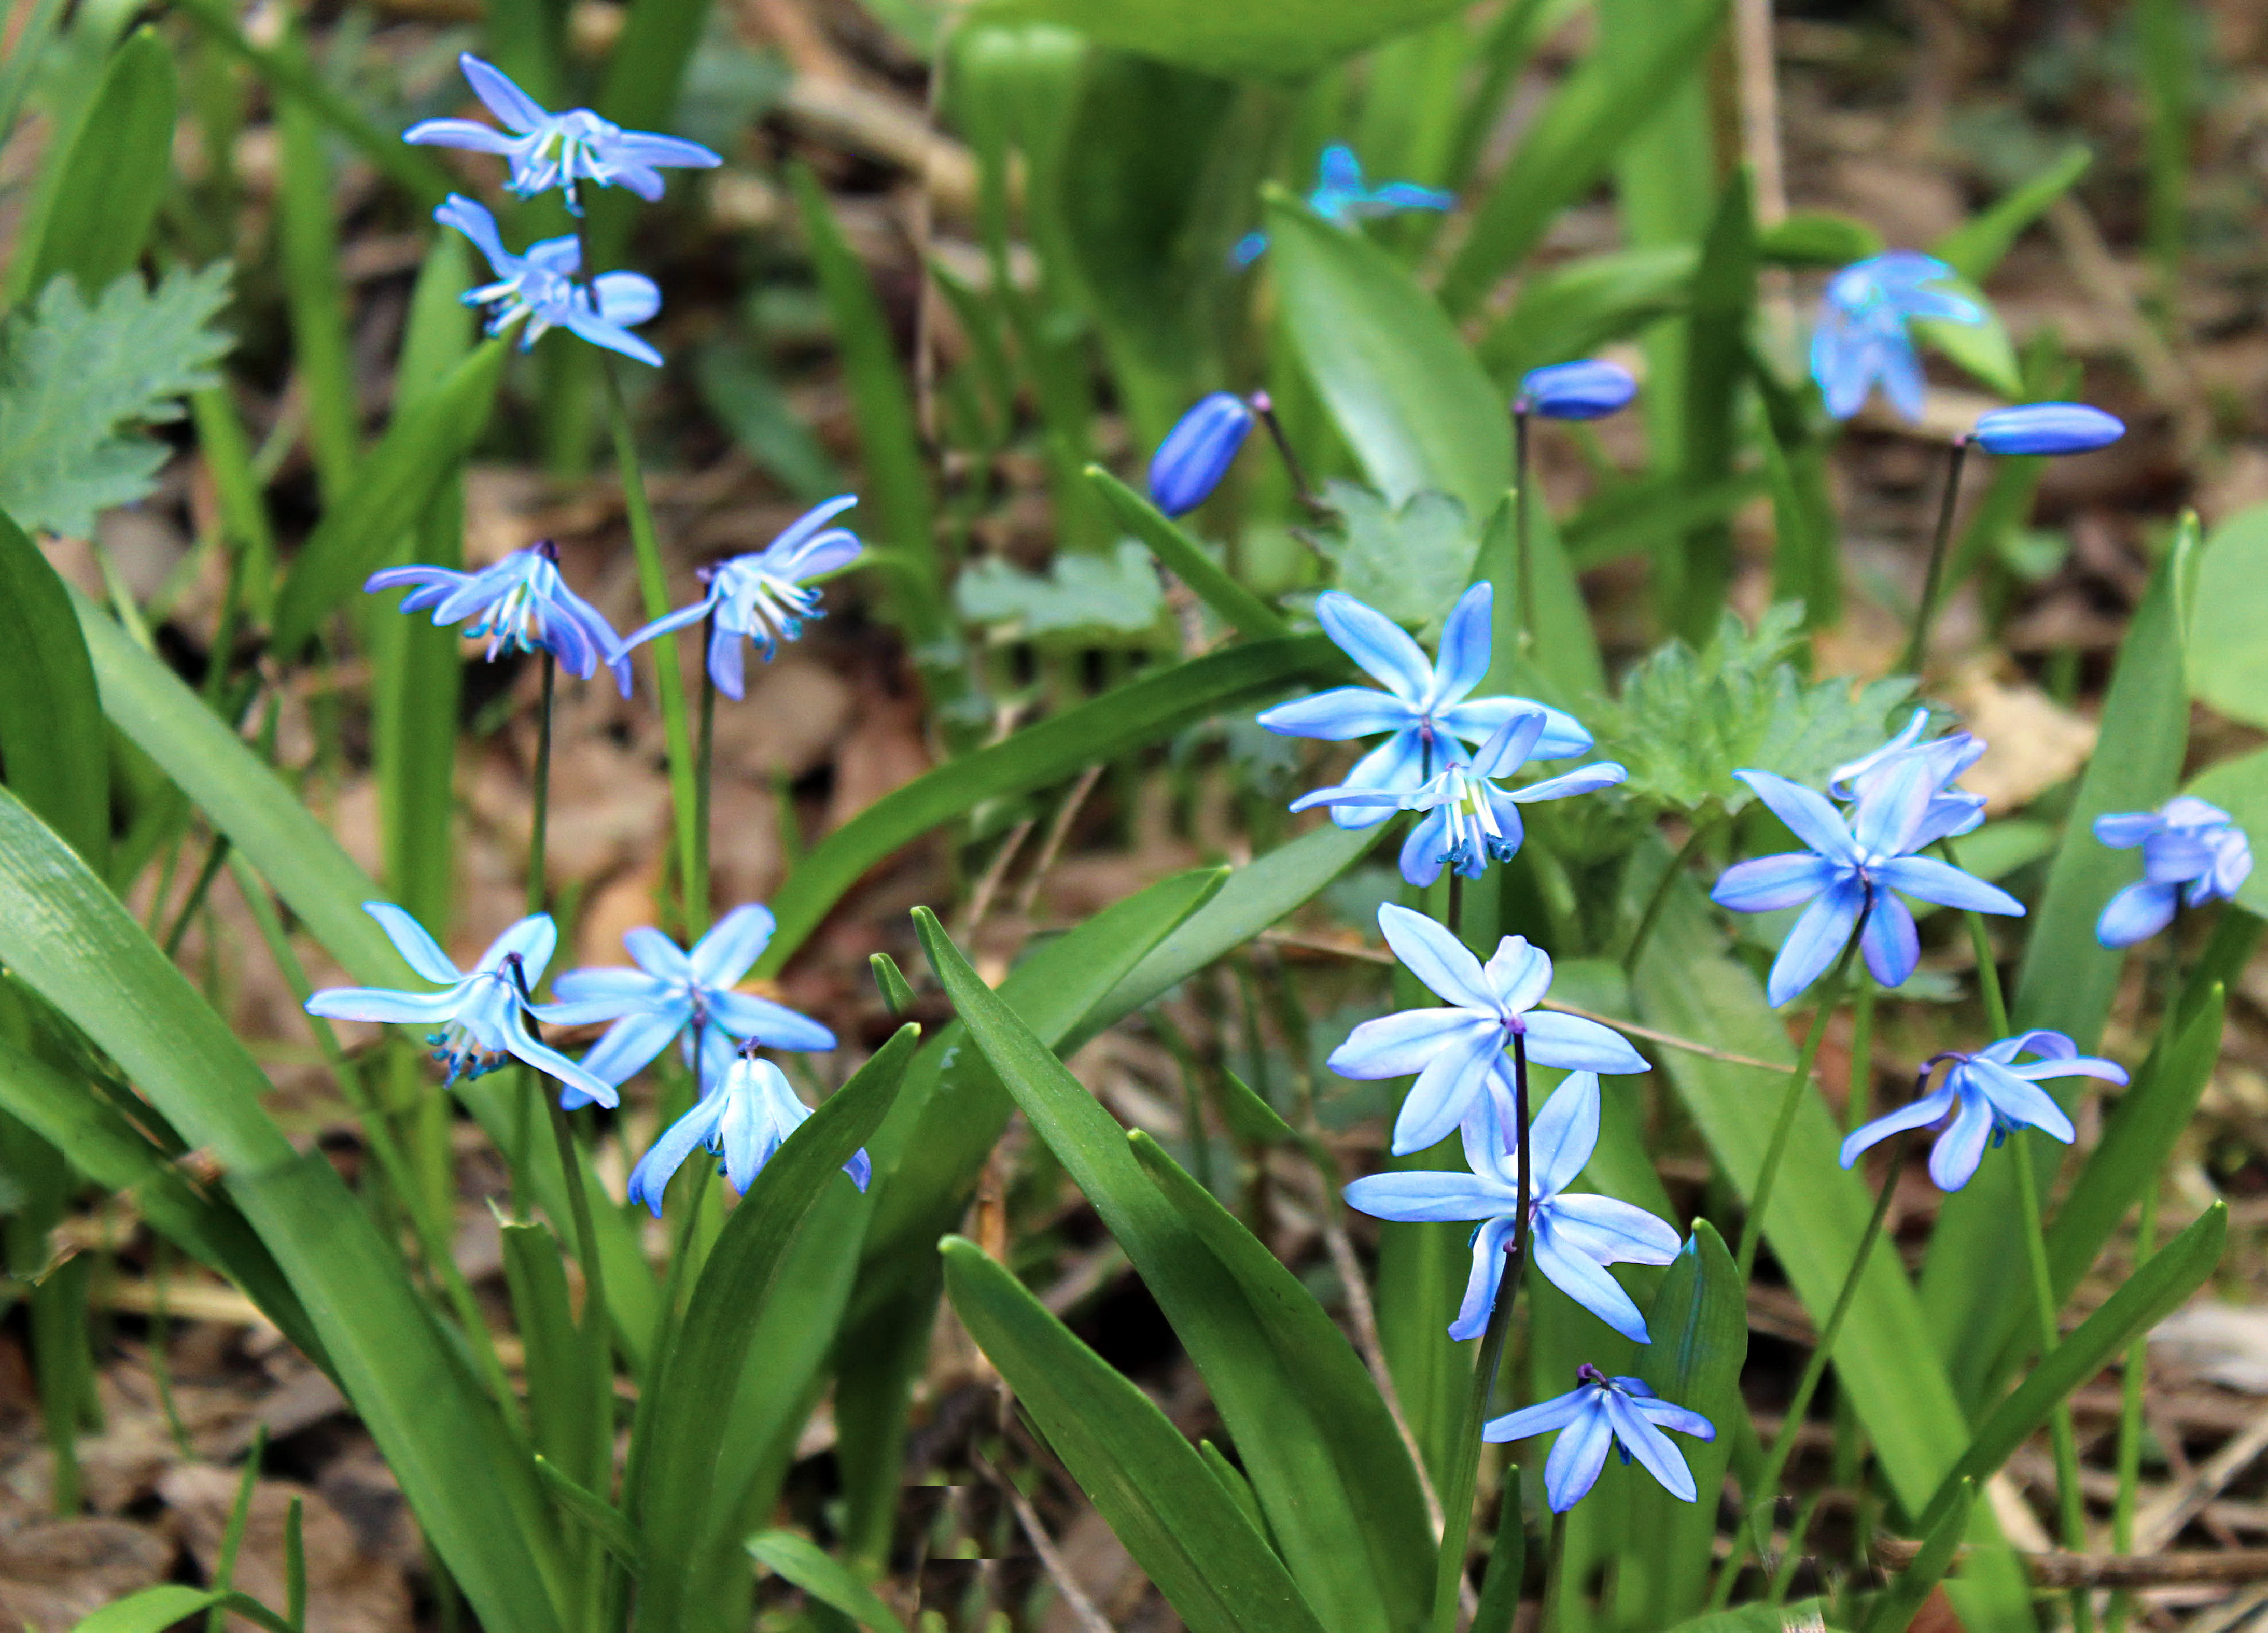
51, 730
824, 1578
1231, 602
117, 168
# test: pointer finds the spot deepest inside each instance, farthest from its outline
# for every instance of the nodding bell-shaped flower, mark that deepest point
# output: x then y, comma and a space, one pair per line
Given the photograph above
1426, 704
541, 288
1599, 1414
1198, 451
2184, 841
520, 604
1989, 1095
1461, 1055
1863, 337
761, 597
672, 992
1341, 197
1590, 389
744, 1115
2048, 427
1575, 1238
548, 150
480, 1016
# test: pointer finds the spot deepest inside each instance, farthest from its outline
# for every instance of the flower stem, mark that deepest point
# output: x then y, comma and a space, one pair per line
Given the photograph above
1660, 898
1766, 1489
2060, 1433
1264, 407
1523, 561
1555, 1574
1933, 580
539, 817
1752, 1229
668, 680
2136, 1376
704, 764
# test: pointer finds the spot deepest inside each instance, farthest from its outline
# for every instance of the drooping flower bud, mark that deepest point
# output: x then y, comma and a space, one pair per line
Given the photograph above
2048, 428
1587, 389
1197, 452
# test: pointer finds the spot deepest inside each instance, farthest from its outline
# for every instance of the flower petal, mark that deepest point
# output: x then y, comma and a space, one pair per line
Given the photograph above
632, 1041
1653, 1449
1583, 780
1465, 640
1444, 1090
1614, 1231
1574, 1044
1816, 942
1565, 1133
1588, 1284
519, 111
418, 949
1512, 744
1436, 957
733, 945
1483, 1282
2020, 1100
1932, 881
550, 1060
376, 1003
666, 1155
1481, 719
1397, 1045
1577, 1456
2135, 914
530, 940
1517, 975
1768, 883
746, 1015
1807, 813
1429, 1194
1424, 849
467, 134
603, 993
1381, 647
1539, 1419
1918, 1114
1889, 940
1341, 713
1952, 1161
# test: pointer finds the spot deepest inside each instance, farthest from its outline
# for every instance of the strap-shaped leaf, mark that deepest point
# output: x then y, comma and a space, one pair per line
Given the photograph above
98, 207
1234, 604
51, 735
825, 1578
1179, 1523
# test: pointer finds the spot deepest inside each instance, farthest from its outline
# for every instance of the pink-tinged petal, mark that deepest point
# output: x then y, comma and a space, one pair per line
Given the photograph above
1379, 645
1444, 1090
1334, 716
1436, 957
1398, 1045
1466, 637
1808, 814
1564, 1134
418, 949
1769, 883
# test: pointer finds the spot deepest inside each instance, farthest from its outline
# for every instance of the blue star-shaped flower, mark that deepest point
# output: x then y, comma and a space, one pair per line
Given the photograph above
1599, 1414
743, 1114
2184, 841
541, 288
1863, 338
520, 604
1989, 1094
1340, 196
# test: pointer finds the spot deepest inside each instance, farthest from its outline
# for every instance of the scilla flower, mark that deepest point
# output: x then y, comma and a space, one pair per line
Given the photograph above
2048, 428
1952, 811
1575, 1238
1850, 876
1462, 1054
1989, 1094
541, 288
1426, 706
1590, 389
1863, 337
548, 150
671, 992
479, 1018
1469, 821
1198, 451
761, 597
743, 1115
2184, 841
1599, 1414
1342, 198
520, 604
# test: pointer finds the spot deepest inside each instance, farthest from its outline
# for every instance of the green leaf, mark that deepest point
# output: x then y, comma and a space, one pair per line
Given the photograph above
1566, 151
1562, 662
601, 1518
1089, 598
1570, 310
152, 1610
1975, 248
1285, 40
2228, 662
1360, 1556
1508, 1564
2240, 787
1093, 732
53, 741
1761, 1618
1692, 594
1902, 1601
77, 383
64, 935
1187, 560
1983, 348
2146, 1298
118, 167
826, 1579
1398, 380
1818, 239
676, 1488
1411, 560
1182, 1527
392, 488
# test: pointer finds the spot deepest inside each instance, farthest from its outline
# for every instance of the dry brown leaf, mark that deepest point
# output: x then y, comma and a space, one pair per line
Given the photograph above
348, 1590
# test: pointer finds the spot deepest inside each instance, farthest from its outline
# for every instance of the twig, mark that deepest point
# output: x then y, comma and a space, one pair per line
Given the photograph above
988, 886
1082, 1608
1058, 831
2059, 1569
2163, 1519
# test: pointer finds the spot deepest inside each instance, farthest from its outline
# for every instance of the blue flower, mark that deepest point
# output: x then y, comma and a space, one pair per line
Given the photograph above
1862, 338
1197, 452
743, 1114
670, 992
2184, 841
541, 287
1461, 1055
1575, 1237
1341, 197
2048, 427
1593, 1417
523, 605
1952, 811
1849, 875
550, 150
1470, 820
1590, 389
1990, 1093
480, 1016
1424, 704
761, 597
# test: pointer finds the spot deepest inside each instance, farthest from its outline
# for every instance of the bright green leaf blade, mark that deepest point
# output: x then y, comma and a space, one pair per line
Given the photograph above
1182, 1527
825, 1578
601, 1518
52, 739
1983, 348
2240, 787
2229, 661
1398, 380
64, 935
701, 1373
1234, 604
1092, 732
1974, 248
118, 168
1282, 40
152, 1610
1569, 311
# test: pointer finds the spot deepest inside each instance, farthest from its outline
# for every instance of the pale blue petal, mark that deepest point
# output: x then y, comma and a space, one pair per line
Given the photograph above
1816, 942
1769, 883
1914, 1115
1807, 814
376, 1003
2135, 914
1398, 1045
1465, 641
1582, 780
1481, 719
1953, 1159
1589, 1284
532, 939
1444, 1090
1539, 1419
631, 1042
1516, 976
550, 1062
2020, 1100
1565, 1133
1948, 885
1653, 1449
1430, 1195
418, 949
1436, 957
732, 946
1480, 1284
1574, 1044
586, 989
666, 1155
1892, 805
1577, 1456
519, 111
1890, 943
745, 1015
1337, 714
1612, 1230
1381, 647
658, 955
1424, 849
459, 133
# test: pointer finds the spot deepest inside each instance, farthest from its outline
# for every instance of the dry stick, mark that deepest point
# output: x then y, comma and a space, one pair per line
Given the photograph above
988, 886
1052, 1560
1058, 831
2062, 1568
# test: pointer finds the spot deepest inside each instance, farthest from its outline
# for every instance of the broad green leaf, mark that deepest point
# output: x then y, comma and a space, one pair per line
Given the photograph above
570, 1403
2240, 787
2147, 1296
822, 1577
1182, 1527
1902, 1601
1983, 348
1974, 248
1818, 237
1398, 380
1092, 600
152, 1610
1695, 572
1611, 97
1508, 1563
64, 935
52, 742
1098, 731
2068, 979
1411, 560
78, 380
1187, 560
1285, 40
2229, 661
1570, 310
117, 169
1359, 1556
1760, 1618
268, 823
700, 1376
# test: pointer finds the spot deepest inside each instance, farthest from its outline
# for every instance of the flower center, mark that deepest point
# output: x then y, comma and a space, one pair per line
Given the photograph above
517, 619
472, 1044
767, 608
1469, 825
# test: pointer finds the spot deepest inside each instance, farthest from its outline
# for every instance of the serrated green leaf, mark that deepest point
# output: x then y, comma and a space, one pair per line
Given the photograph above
78, 381
1411, 560
1090, 597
